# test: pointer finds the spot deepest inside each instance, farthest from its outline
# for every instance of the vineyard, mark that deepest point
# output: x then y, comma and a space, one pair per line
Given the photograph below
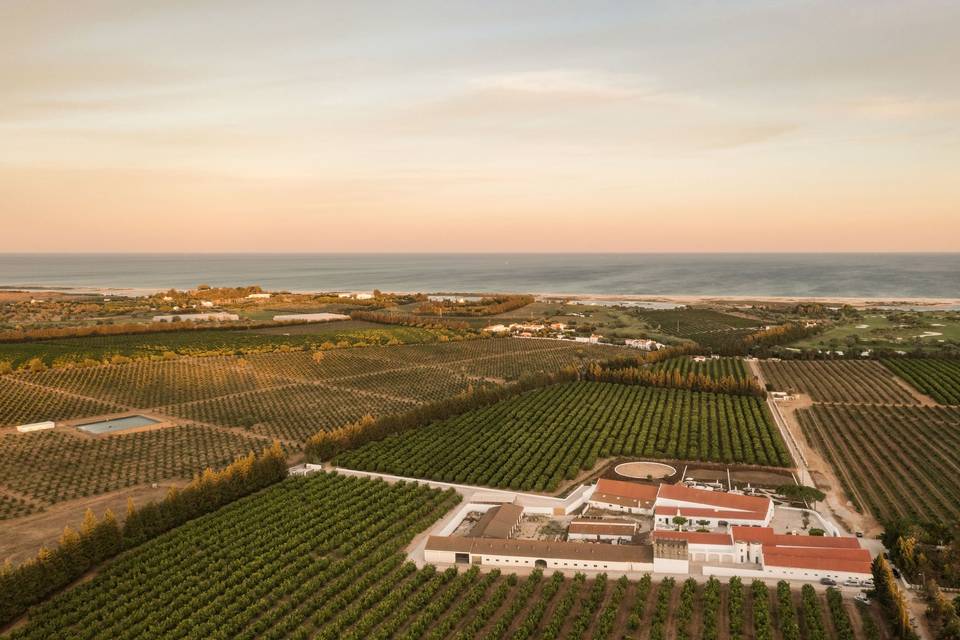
712, 368
937, 378
319, 557
538, 439
894, 461
846, 381
53, 466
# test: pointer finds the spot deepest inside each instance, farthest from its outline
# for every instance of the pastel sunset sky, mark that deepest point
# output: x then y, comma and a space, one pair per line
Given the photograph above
233, 125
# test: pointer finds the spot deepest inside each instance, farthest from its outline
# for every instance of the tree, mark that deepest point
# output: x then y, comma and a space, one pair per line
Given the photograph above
802, 493
680, 521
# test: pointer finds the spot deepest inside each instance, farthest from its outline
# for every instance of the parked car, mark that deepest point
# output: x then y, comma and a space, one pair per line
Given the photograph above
852, 582
896, 573
859, 534
867, 583
830, 582
862, 597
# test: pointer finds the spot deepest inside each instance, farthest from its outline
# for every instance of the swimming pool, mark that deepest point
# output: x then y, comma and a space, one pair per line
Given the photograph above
117, 424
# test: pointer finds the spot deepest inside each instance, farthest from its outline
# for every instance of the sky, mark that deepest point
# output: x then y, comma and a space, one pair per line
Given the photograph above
240, 125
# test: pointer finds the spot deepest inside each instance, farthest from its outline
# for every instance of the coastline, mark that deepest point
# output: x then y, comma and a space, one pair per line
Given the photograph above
587, 298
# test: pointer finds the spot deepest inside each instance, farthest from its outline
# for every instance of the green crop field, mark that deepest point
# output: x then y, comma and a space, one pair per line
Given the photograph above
894, 461
712, 368
935, 377
217, 342
53, 466
849, 381
704, 326
543, 437
320, 557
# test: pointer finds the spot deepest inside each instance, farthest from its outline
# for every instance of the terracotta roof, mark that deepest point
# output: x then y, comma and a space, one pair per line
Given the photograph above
581, 551
605, 527
849, 560
497, 522
719, 499
694, 537
694, 512
766, 536
646, 492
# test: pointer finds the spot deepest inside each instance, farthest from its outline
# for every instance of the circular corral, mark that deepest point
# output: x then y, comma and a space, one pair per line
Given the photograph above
644, 470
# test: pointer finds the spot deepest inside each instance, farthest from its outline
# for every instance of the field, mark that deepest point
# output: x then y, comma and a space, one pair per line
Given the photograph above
319, 557
47, 467
719, 368
217, 342
894, 461
906, 331
939, 379
704, 326
538, 439
232, 404
846, 381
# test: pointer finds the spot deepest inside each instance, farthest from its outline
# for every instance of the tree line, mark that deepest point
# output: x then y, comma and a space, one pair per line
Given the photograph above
409, 320
674, 380
99, 540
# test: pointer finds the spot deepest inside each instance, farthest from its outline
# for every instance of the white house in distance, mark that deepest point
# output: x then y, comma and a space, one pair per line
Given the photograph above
258, 296
198, 317
643, 344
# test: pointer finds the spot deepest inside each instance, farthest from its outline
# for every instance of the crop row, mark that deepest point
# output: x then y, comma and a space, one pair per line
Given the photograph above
937, 378
21, 403
895, 461
320, 557
53, 466
538, 439
715, 368
840, 381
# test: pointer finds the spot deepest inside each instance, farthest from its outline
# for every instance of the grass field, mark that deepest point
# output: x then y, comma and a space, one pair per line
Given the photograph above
928, 331
894, 461
218, 342
848, 381
543, 437
319, 557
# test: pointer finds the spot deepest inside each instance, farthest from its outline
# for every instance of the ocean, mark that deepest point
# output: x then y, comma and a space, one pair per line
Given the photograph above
892, 276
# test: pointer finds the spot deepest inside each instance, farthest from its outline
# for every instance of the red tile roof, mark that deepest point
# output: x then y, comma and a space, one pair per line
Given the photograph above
627, 489
848, 560
766, 536
694, 537
719, 499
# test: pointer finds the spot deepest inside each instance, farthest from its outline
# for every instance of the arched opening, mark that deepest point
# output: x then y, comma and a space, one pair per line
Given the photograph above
540, 563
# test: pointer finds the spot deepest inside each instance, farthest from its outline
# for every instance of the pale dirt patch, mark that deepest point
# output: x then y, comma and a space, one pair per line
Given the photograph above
837, 501
645, 470
20, 538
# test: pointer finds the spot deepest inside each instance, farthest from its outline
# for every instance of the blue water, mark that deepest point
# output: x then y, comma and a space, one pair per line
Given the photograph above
893, 276
117, 424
